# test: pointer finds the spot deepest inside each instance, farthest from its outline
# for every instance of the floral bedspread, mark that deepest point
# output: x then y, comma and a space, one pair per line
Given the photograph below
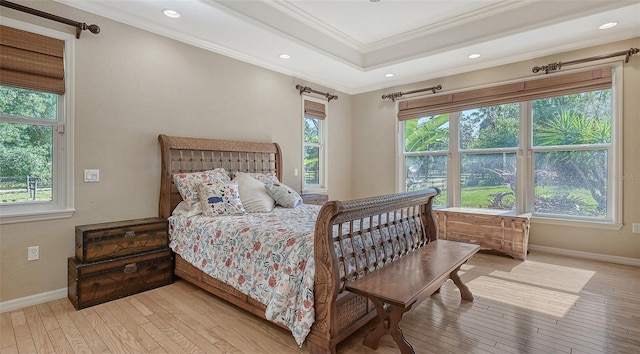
268, 256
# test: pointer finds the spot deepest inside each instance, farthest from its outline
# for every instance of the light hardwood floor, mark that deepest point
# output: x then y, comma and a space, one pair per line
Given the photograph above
547, 304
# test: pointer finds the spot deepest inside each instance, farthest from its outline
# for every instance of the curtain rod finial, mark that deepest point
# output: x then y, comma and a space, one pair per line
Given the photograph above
95, 29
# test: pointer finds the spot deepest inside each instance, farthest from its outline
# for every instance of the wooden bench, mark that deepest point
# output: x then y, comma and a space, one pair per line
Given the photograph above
397, 287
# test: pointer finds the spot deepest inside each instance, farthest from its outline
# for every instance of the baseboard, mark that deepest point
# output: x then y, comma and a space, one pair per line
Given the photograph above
32, 300
587, 255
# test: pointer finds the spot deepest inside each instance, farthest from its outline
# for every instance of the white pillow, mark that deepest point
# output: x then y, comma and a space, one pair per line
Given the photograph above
284, 195
186, 210
220, 199
266, 178
253, 194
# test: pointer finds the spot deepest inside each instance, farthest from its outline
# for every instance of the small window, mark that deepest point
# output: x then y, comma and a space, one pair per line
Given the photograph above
314, 143
35, 148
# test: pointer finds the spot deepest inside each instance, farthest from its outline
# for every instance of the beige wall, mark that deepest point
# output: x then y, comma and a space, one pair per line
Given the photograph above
375, 137
132, 85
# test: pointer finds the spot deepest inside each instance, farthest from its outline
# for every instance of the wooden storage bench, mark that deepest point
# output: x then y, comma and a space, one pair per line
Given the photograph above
500, 230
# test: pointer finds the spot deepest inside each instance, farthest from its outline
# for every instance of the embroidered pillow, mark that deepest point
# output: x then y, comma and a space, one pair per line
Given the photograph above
220, 199
284, 195
253, 194
187, 183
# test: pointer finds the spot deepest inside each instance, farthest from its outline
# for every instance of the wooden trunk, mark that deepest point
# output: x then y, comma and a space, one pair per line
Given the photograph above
102, 241
94, 283
318, 199
500, 230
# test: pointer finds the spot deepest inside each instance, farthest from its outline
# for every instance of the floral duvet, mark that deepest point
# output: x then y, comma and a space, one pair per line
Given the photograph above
268, 256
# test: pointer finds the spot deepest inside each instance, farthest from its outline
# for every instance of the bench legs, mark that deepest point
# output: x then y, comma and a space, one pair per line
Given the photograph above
388, 322
389, 318
465, 293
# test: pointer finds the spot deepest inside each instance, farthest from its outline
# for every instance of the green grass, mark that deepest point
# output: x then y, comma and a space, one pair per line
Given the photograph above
43, 195
478, 197
581, 193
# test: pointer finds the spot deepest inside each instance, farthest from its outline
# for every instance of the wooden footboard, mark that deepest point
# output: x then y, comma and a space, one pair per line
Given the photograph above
352, 239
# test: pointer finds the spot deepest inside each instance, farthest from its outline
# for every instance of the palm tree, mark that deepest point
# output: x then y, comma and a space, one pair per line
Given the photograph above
587, 168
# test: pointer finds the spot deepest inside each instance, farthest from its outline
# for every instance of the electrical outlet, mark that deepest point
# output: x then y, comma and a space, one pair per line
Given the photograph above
33, 253
635, 228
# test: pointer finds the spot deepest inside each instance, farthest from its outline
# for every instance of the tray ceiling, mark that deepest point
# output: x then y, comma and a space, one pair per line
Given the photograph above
349, 45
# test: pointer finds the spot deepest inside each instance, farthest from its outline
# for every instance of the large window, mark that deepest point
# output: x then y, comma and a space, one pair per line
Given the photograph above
313, 144
554, 155
35, 135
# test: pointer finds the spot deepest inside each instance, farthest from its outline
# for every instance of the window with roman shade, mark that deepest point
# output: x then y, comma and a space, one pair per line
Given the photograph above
36, 130
313, 144
548, 146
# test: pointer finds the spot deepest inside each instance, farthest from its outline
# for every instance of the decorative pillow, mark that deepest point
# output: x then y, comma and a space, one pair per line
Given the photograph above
220, 199
284, 195
187, 183
265, 178
253, 194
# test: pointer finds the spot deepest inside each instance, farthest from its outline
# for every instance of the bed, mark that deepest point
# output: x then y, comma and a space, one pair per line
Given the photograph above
338, 242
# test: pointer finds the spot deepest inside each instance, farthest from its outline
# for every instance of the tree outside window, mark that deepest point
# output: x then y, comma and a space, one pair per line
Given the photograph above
570, 148
26, 145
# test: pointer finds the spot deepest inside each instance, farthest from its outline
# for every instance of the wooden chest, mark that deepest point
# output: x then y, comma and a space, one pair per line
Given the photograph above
102, 241
500, 230
317, 199
94, 283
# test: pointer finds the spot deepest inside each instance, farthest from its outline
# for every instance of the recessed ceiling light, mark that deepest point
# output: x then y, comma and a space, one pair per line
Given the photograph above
285, 56
171, 13
608, 25
389, 75
374, 0
474, 56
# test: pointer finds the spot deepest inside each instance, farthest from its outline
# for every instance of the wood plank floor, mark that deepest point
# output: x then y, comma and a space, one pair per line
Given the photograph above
547, 304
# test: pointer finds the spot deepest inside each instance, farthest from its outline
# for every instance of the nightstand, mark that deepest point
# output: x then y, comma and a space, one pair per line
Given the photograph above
317, 199
118, 259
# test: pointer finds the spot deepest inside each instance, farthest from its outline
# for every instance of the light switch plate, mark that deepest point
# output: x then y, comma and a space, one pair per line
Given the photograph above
92, 175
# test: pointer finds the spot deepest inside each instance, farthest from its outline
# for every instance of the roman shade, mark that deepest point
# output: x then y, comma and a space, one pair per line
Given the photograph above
31, 61
314, 110
596, 79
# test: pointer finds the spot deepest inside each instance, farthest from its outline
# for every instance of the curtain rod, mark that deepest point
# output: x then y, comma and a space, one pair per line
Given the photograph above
80, 26
397, 95
307, 89
558, 65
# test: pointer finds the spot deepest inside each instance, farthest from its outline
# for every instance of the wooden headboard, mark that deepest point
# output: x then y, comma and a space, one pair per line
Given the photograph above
184, 155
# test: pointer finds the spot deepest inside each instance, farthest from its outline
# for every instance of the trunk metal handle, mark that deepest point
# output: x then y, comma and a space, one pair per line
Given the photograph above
130, 268
129, 234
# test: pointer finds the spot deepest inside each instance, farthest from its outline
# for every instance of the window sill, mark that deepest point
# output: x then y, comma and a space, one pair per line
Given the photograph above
36, 216
587, 224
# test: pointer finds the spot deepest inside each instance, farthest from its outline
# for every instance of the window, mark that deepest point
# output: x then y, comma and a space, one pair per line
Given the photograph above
35, 137
313, 145
551, 148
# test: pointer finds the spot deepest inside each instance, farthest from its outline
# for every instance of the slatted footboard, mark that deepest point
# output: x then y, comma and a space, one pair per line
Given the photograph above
352, 239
